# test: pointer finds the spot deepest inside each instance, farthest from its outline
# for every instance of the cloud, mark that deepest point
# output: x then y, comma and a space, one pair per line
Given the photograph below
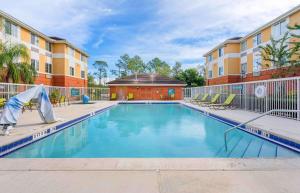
70, 19
174, 30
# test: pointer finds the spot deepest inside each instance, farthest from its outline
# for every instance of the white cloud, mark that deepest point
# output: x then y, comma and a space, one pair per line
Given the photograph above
200, 24
215, 20
71, 19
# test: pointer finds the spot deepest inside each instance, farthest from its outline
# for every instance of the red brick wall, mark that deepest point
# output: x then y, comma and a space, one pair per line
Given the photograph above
264, 75
68, 81
223, 80
269, 74
43, 79
145, 92
64, 81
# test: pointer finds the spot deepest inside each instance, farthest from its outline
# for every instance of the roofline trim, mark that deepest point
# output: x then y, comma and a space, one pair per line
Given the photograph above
222, 44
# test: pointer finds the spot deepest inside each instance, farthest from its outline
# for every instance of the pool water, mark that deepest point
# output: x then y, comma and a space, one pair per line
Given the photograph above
150, 131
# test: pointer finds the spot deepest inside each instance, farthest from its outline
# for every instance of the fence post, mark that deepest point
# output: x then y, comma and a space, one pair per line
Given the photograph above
298, 98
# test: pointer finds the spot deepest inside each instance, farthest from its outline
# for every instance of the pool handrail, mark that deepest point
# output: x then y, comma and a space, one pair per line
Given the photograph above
255, 118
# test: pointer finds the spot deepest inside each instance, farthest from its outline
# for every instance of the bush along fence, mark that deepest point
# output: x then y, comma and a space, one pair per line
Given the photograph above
8, 90
279, 94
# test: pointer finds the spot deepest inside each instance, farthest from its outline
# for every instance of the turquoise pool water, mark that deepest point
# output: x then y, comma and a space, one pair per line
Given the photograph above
150, 130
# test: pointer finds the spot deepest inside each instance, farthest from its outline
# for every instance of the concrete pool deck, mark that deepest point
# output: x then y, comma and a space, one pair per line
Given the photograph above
167, 175
286, 128
150, 175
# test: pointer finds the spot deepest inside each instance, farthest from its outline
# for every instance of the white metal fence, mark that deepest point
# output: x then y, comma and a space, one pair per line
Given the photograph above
8, 90
280, 94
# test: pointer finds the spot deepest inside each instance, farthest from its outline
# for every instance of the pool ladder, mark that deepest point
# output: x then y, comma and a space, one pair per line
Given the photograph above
260, 116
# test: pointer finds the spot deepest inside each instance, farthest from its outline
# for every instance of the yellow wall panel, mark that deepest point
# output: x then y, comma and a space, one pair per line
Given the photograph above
249, 42
59, 48
266, 34
249, 63
42, 63
234, 66
215, 70
294, 19
59, 65
232, 48
25, 35
42, 43
77, 70
77, 55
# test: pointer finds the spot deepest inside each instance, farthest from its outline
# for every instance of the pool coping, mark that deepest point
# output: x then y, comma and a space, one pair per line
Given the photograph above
27, 140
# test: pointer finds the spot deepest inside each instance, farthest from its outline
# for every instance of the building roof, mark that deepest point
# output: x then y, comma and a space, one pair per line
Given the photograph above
31, 29
234, 40
147, 80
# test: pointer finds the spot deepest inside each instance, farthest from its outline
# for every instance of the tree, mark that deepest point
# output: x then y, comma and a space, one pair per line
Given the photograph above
14, 59
176, 70
101, 70
191, 77
280, 54
158, 66
295, 41
122, 66
91, 80
136, 65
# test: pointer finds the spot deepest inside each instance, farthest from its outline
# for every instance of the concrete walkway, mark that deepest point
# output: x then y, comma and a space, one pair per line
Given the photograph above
150, 175
286, 128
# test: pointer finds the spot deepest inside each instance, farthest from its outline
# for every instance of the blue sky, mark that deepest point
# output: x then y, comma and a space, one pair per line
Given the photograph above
173, 30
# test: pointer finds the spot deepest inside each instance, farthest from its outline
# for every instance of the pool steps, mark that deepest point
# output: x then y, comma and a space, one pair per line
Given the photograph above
240, 147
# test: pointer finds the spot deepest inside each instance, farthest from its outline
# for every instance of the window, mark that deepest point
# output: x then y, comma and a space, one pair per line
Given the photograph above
82, 74
221, 52
11, 28
48, 67
221, 71
34, 39
256, 64
257, 40
71, 51
72, 71
35, 64
279, 29
210, 58
83, 58
48, 46
244, 45
243, 68
210, 74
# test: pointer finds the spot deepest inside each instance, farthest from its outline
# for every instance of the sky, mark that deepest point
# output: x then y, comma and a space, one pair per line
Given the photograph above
173, 30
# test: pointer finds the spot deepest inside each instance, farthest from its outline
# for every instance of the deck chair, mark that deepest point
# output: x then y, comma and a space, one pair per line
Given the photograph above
27, 106
193, 99
213, 100
63, 100
130, 96
202, 100
2, 102
113, 96
227, 103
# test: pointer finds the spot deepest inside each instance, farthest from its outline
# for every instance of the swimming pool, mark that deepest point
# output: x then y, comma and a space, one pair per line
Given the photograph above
150, 131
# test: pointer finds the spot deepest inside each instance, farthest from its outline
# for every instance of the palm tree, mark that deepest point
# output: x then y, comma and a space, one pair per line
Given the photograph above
14, 59
280, 54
